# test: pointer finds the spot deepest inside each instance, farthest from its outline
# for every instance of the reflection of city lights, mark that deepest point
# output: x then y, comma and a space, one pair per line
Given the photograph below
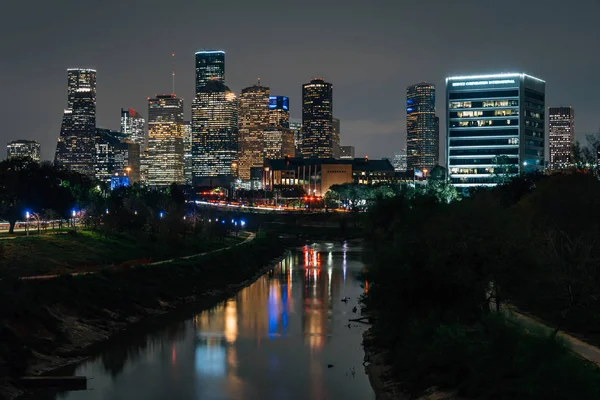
231, 328
210, 358
173, 355
366, 287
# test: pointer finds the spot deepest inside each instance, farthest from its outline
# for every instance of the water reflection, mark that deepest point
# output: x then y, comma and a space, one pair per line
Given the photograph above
273, 340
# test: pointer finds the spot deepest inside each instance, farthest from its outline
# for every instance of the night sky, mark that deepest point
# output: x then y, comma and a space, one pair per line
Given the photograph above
369, 50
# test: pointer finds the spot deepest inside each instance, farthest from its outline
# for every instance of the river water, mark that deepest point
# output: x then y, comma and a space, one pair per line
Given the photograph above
285, 337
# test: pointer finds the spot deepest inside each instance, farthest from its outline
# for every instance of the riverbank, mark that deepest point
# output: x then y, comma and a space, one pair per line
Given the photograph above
88, 250
53, 323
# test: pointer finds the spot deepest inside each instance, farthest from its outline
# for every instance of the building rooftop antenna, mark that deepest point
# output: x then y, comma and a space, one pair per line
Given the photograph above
173, 71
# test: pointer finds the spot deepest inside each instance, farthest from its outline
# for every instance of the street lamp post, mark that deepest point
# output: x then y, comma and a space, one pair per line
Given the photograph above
27, 223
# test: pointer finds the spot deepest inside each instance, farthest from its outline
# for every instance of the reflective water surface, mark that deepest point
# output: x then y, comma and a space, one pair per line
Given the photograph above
273, 340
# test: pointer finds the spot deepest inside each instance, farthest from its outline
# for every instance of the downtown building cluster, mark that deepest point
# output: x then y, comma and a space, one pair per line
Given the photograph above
495, 125
225, 143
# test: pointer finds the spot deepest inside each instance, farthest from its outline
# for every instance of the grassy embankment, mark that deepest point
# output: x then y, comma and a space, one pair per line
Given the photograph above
44, 324
88, 250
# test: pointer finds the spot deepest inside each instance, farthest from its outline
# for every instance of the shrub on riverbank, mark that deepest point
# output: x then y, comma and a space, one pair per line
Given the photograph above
439, 270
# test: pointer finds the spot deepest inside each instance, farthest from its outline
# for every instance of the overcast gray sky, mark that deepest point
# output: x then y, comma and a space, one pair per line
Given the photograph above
369, 50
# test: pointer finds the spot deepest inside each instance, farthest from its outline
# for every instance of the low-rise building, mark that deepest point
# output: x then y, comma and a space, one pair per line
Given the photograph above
316, 176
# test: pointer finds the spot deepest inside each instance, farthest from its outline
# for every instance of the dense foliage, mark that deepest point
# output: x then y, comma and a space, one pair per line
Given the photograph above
439, 271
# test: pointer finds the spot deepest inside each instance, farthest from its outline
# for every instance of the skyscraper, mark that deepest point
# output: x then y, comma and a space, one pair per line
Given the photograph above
210, 65
422, 142
214, 132
279, 143
188, 170
296, 128
253, 121
23, 149
133, 126
561, 133
317, 119
335, 138
75, 148
165, 140
495, 127
399, 161
279, 111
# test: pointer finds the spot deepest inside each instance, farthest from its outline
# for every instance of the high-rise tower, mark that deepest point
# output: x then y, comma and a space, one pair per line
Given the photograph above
210, 66
253, 121
561, 133
317, 119
214, 132
133, 126
165, 140
422, 136
75, 148
495, 127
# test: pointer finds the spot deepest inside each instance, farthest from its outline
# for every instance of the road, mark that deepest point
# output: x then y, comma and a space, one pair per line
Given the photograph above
251, 236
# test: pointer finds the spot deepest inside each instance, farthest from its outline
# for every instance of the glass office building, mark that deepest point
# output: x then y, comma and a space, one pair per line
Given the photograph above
75, 148
317, 119
422, 135
210, 66
495, 127
165, 140
561, 136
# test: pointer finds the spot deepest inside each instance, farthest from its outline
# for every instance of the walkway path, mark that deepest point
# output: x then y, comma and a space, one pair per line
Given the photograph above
250, 237
583, 349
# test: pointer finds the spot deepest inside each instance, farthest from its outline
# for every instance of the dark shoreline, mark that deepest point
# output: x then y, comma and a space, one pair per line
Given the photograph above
104, 334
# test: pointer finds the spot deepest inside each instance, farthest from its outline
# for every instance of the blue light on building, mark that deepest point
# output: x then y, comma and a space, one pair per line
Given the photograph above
118, 181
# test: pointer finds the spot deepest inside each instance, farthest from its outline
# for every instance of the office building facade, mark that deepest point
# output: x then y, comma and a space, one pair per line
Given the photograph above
495, 128
400, 161
335, 138
253, 121
29, 149
317, 119
133, 126
279, 111
561, 136
214, 132
210, 66
75, 148
165, 140
422, 136
188, 170
278, 143
296, 128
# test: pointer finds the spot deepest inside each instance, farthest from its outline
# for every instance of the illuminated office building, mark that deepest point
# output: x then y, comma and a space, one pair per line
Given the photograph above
75, 148
253, 121
296, 128
133, 126
400, 162
279, 111
317, 119
214, 132
335, 138
561, 136
495, 127
165, 140
278, 143
188, 173
23, 149
210, 66
422, 137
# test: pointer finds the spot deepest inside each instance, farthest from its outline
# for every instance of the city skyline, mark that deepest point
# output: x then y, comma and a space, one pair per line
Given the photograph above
128, 74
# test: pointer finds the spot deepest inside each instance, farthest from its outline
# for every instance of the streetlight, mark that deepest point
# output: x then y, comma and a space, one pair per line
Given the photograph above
27, 222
